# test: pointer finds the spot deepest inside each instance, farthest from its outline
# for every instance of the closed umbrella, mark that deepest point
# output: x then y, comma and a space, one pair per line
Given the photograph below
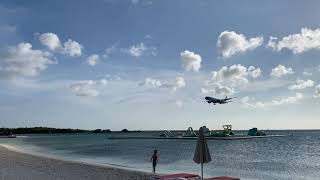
201, 154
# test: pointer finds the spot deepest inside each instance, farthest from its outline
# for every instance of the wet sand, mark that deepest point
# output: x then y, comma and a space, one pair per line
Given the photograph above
21, 166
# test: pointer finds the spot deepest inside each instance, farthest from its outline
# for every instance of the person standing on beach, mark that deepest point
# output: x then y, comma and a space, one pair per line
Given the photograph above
154, 159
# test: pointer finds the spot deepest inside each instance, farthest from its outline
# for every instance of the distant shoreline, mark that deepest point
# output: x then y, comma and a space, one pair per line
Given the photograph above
18, 164
49, 130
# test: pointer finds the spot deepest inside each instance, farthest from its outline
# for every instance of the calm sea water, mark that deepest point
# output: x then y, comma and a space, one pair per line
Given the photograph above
292, 157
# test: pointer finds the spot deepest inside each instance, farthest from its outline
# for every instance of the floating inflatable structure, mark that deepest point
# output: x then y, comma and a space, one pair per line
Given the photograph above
255, 132
227, 131
189, 133
225, 134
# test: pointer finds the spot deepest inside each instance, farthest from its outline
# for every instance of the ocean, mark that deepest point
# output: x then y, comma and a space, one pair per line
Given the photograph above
296, 156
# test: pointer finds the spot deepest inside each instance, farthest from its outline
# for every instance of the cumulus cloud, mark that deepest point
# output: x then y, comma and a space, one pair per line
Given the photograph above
230, 43
254, 72
218, 89
93, 59
87, 87
236, 74
223, 81
72, 48
23, 61
304, 41
190, 60
287, 100
301, 84
180, 83
281, 70
50, 40
233, 73
317, 91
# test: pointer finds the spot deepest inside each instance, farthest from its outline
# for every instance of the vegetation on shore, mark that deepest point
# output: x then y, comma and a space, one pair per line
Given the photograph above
48, 130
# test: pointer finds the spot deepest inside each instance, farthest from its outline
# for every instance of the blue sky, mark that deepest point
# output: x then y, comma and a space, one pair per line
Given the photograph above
144, 64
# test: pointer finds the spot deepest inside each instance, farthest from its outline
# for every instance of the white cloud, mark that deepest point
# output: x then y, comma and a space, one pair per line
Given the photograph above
140, 49
50, 40
254, 72
306, 40
305, 73
72, 48
204, 90
190, 60
248, 102
23, 61
281, 70
287, 100
301, 84
174, 86
87, 87
137, 50
93, 59
155, 83
151, 83
230, 43
223, 81
222, 90
235, 74
218, 89
180, 82
317, 91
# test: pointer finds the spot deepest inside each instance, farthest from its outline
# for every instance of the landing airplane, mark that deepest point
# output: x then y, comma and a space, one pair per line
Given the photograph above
218, 101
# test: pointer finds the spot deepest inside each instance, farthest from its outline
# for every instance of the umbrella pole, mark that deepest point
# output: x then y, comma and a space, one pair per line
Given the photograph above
202, 171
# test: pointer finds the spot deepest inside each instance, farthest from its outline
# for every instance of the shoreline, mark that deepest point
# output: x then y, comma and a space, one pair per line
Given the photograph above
60, 158
18, 164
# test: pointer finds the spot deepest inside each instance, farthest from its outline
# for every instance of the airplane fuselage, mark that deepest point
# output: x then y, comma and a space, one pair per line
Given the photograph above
217, 101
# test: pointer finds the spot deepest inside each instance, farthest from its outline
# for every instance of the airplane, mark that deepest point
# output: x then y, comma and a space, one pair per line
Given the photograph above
218, 101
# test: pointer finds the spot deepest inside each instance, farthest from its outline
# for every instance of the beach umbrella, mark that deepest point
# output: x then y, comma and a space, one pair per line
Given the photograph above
201, 154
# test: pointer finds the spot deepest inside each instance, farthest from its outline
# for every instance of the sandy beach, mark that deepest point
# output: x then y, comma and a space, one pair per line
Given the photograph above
17, 165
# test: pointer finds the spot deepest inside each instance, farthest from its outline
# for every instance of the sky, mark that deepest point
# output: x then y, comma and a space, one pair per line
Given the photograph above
147, 64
